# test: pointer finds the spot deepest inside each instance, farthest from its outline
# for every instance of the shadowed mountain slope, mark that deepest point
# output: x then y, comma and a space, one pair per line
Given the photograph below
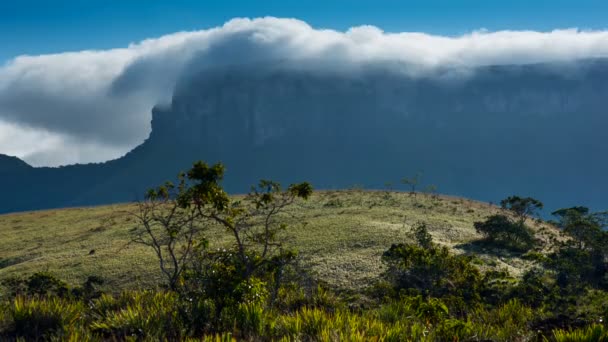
535, 130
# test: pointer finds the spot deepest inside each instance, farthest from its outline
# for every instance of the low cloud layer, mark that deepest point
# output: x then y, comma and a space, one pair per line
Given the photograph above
92, 106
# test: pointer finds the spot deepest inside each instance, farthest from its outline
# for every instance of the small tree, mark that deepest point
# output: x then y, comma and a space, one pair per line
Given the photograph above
172, 219
522, 207
432, 190
171, 230
583, 227
251, 267
568, 215
252, 222
412, 182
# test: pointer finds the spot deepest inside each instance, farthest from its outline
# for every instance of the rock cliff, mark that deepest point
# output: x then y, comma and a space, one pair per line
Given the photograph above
486, 133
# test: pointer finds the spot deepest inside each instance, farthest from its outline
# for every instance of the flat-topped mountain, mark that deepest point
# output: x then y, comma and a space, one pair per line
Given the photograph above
485, 133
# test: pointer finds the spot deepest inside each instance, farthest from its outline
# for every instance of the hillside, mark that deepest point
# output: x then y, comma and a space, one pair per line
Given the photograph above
340, 236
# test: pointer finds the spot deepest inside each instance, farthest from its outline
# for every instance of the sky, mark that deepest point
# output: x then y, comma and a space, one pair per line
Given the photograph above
78, 78
51, 26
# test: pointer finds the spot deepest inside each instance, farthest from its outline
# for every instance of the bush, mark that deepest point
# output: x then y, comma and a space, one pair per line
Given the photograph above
432, 272
141, 314
421, 234
593, 333
501, 231
32, 318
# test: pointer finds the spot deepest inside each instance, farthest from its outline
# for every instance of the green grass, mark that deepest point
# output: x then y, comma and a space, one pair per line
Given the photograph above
340, 235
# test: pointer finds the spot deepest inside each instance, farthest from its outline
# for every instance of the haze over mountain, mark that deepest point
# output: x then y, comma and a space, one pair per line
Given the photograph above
93, 106
484, 132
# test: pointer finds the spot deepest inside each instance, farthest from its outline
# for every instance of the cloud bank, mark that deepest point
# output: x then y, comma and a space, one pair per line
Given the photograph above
91, 106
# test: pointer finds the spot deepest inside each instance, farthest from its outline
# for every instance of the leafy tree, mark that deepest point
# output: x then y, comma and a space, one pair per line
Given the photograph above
522, 207
584, 257
583, 227
572, 269
252, 221
172, 230
567, 215
173, 218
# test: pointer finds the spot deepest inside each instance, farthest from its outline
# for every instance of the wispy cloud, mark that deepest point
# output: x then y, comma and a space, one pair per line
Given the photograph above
94, 105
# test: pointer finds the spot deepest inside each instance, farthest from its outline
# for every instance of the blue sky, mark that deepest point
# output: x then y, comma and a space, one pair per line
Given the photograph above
38, 27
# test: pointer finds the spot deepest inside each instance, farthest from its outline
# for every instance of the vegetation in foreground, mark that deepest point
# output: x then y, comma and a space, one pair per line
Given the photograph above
248, 283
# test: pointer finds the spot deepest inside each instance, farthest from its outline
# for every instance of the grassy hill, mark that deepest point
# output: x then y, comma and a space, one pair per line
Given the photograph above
340, 236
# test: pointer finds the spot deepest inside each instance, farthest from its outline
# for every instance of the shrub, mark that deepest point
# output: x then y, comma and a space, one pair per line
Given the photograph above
421, 234
146, 314
593, 333
501, 231
252, 320
36, 317
432, 272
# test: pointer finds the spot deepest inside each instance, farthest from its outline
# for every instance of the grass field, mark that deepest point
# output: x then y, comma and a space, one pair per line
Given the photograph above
340, 236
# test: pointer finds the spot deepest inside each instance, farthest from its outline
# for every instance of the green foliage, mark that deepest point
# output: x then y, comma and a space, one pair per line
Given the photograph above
432, 272
44, 284
139, 314
573, 267
568, 215
247, 285
593, 333
512, 315
33, 317
421, 235
159, 315
499, 230
522, 207
173, 219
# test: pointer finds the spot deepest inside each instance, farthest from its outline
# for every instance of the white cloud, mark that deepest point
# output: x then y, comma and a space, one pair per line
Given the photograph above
95, 105
41, 148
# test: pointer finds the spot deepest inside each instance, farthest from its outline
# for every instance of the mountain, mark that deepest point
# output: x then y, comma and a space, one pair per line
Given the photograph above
486, 133
12, 165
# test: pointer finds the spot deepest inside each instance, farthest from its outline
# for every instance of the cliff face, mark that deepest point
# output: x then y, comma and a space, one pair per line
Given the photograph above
497, 131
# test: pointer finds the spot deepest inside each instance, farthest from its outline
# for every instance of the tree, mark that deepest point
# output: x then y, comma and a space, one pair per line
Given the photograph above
568, 215
522, 207
172, 230
252, 265
432, 190
252, 222
575, 264
173, 218
412, 182
583, 227
499, 229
